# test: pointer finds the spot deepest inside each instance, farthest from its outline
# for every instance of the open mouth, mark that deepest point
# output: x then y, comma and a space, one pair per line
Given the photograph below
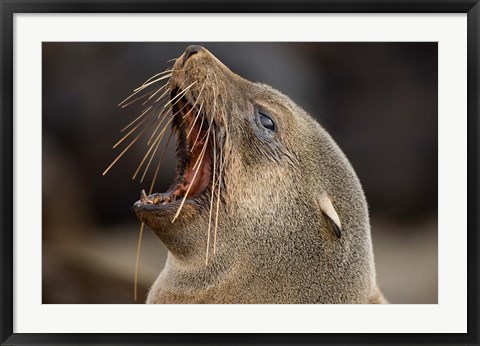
194, 152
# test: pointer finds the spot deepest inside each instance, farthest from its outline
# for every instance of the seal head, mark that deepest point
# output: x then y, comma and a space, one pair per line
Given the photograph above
265, 207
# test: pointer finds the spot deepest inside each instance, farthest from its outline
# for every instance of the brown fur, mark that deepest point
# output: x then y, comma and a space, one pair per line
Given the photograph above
274, 243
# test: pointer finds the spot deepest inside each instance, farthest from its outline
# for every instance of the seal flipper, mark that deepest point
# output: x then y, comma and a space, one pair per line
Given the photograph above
330, 214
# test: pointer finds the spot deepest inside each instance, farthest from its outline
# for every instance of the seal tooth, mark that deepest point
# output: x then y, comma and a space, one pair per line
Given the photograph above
143, 196
156, 200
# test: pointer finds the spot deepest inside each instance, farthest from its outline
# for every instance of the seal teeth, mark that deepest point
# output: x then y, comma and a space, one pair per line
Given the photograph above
159, 198
144, 198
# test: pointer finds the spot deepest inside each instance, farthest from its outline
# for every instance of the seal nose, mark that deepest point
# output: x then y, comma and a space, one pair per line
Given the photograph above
191, 50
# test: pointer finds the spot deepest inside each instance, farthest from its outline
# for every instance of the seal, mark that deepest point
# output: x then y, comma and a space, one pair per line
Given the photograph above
265, 207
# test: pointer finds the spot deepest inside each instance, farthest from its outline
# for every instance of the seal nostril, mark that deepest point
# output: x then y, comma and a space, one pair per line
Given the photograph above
191, 50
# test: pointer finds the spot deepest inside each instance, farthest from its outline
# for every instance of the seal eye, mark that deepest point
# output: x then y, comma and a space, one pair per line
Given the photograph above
266, 121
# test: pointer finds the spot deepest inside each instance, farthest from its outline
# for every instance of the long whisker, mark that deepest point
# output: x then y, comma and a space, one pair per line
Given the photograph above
138, 118
124, 151
143, 86
162, 115
218, 201
223, 158
156, 92
136, 91
203, 138
154, 180
211, 198
227, 142
198, 135
213, 175
195, 120
159, 162
179, 95
157, 141
188, 113
169, 71
173, 116
137, 99
159, 138
130, 132
183, 92
142, 226
137, 261
150, 161
194, 104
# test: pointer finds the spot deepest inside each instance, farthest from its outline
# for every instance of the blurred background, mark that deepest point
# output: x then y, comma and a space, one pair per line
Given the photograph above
377, 100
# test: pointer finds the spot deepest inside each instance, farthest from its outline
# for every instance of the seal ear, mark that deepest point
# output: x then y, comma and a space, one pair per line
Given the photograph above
330, 214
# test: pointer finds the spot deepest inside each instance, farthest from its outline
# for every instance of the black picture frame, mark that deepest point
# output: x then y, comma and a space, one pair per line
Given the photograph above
10, 7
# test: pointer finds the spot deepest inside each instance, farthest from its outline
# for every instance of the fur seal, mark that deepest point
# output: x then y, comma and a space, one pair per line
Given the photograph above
265, 207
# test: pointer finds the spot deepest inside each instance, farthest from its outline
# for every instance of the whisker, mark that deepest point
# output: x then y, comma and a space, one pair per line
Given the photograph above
209, 126
211, 198
218, 201
159, 162
154, 180
143, 86
142, 226
137, 99
156, 92
194, 104
203, 138
130, 132
137, 262
183, 92
157, 141
165, 127
135, 92
139, 242
150, 161
173, 116
133, 122
159, 138
227, 132
199, 94
164, 116
198, 134
128, 98
125, 150
195, 120
169, 71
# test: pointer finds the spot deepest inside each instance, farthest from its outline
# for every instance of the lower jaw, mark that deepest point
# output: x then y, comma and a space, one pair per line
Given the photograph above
161, 215
142, 206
